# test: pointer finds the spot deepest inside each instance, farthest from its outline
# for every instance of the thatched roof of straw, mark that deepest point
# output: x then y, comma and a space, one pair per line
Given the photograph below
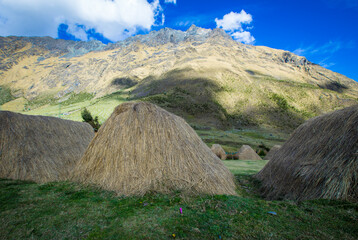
320, 160
142, 148
218, 151
39, 148
272, 152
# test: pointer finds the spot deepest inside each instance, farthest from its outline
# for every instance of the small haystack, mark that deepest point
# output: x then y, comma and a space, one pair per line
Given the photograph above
320, 160
247, 153
39, 148
142, 148
218, 151
272, 151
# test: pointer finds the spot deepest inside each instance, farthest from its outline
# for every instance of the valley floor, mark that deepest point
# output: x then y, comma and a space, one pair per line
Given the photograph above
65, 210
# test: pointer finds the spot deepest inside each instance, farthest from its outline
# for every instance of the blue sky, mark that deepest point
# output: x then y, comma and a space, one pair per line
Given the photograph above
324, 31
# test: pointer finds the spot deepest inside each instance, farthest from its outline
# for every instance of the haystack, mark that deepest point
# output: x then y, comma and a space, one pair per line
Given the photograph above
142, 148
247, 153
39, 148
319, 160
218, 151
272, 151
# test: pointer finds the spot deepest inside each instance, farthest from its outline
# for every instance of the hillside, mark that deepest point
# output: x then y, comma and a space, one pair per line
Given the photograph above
200, 74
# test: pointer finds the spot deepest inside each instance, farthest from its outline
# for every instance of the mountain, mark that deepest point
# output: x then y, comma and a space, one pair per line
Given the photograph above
200, 74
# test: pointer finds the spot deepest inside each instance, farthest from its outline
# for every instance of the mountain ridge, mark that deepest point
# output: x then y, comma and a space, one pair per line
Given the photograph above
199, 65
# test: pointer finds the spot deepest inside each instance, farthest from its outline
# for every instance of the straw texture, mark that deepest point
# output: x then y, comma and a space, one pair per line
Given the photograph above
272, 151
142, 148
320, 160
218, 151
247, 153
39, 148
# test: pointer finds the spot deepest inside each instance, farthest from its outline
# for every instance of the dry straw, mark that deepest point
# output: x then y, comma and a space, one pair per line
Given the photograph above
218, 151
247, 153
272, 151
319, 160
40, 148
142, 148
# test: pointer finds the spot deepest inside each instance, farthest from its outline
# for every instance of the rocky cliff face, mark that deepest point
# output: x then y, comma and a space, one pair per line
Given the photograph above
251, 84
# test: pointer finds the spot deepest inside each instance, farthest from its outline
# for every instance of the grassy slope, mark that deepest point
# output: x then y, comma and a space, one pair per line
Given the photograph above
5, 95
231, 140
71, 107
222, 101
232, 100
66, 210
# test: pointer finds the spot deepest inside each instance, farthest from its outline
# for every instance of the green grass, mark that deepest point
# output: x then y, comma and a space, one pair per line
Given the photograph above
64, 210
245, 167
5, 95
232, 140
72, 106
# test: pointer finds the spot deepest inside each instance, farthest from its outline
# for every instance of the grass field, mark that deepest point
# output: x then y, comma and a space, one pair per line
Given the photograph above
64, 210
232, 140
245, 167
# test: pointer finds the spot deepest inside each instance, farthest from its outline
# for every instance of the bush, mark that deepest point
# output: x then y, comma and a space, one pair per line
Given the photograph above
280, 101
87, 117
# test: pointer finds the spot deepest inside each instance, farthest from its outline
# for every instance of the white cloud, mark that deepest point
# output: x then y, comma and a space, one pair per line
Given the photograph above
115, 19
77, 31
244, 37
235, 24
184, 23
300, 51
324, 52
325, 49
326, 64
330, 47
234, 21
171, 1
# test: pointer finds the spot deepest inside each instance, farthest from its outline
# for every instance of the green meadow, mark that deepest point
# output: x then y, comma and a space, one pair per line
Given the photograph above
65, 210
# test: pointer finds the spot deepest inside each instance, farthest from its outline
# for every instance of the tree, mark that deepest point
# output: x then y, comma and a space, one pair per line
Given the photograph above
87, 117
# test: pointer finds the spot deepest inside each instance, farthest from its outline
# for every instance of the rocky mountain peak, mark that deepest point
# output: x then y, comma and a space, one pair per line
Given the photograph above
168, 35
194, 30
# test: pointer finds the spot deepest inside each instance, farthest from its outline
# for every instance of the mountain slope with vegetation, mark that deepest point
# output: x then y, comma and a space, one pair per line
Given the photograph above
200, 74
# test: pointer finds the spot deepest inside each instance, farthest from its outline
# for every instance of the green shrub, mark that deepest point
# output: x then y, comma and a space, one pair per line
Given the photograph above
87, 117
261, 153
280, 101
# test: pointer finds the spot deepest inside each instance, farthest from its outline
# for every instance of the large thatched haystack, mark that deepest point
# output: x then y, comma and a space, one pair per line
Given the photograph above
272, 151
247, 153
142, 148
320, 160
40, 148
218, 151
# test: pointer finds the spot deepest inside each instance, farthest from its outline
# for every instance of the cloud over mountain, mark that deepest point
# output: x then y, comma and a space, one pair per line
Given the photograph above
114, 19
234, 23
